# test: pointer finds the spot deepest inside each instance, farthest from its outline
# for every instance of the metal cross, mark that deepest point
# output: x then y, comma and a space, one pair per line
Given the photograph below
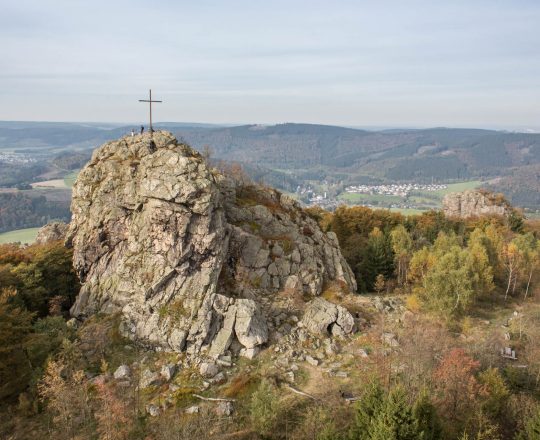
150, 101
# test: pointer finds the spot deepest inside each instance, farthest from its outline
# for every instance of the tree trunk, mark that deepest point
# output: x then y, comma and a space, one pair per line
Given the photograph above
528, 284
509, 282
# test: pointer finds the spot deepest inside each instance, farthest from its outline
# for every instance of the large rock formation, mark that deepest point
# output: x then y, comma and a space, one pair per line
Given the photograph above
186, 255
53, 231
474, 203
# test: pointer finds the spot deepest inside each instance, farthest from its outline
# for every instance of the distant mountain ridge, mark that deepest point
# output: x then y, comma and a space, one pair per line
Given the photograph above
307, 152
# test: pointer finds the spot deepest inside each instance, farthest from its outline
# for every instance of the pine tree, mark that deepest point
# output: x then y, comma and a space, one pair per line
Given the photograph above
426, 416
532, 428
367, 410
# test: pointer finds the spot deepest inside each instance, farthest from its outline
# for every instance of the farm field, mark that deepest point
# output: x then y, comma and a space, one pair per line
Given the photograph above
408, 211
56, 183
25, 236
370, 198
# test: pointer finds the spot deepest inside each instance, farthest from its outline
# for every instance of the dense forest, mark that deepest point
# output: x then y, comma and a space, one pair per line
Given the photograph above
467, 290
19, 211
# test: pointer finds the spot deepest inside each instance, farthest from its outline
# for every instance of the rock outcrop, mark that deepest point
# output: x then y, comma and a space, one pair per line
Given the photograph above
475, 204
53, 231
188, 257
325, 318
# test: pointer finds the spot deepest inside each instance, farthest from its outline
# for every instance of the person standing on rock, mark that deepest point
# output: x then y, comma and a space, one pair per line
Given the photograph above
132, 132
142, 129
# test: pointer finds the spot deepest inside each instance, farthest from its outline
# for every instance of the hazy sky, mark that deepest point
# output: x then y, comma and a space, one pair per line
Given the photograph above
360, 63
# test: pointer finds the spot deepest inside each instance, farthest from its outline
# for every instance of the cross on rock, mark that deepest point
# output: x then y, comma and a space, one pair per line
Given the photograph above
150, 101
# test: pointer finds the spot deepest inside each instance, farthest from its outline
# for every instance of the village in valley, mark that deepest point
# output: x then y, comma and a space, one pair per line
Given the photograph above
395, 189
399, 196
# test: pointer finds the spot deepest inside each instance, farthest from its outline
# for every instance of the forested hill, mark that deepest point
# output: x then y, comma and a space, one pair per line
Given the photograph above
293, 154
393, 154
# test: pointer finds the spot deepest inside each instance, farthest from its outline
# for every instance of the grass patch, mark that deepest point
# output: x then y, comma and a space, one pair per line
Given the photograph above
24, 236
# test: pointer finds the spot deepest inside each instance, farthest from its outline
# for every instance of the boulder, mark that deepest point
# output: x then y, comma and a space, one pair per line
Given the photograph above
153, 410
53, 231
122, 372
168, 371
325, 318
208, 369
224, 408
149, 378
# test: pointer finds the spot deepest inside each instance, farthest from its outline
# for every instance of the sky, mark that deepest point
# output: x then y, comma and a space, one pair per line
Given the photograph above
385, 63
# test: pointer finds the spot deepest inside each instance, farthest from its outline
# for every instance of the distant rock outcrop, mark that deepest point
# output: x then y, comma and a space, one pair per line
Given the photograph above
52, 232
475, 203
190, 259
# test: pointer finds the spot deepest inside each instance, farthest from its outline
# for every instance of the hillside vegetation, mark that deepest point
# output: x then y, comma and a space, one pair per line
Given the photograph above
445, 296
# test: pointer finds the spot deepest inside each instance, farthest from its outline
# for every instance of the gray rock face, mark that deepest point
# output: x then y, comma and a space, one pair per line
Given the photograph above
183, 253
474, 204
325, 318
52, 232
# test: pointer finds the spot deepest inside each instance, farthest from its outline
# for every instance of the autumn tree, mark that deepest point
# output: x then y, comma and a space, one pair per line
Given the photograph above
66, 396
402, 245
455, 383
112, 414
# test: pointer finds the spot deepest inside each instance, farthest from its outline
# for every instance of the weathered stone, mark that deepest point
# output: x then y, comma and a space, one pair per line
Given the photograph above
156, 234
192, 410
474, 203
249, 353
326, 318
312, 361
208, 369
54, 231
250, 327
168, 371
122, 372
152, 410
149, 378
224, 408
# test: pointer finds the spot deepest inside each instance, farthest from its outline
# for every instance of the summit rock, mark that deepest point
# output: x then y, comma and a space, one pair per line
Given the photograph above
190, 259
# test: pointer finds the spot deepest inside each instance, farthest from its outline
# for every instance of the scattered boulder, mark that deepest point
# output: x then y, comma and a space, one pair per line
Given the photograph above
153, 410
168, 371
192, 410
122, 372
208, 369
149, 378
325, 318
224, 409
